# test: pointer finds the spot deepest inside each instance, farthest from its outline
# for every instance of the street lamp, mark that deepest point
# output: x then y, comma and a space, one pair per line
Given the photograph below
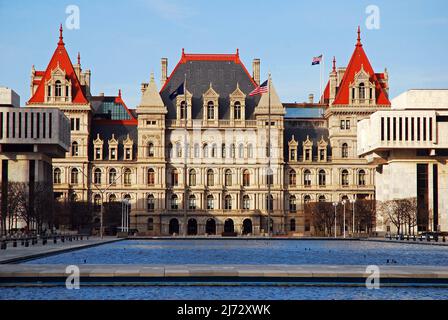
353, 202
344, 202
335, 205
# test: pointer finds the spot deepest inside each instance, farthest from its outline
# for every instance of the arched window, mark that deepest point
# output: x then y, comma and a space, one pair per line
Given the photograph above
322, 198
292, 177
58, 89
183, 110
151, 177
292, 225
269, 176
344, 177
112, 198
170, 151
223, 150
97, 176
57, 176
250, 151
307, 199
361, 178
228, 202
97, 203
150, 224
228, 178
150, 203
74, 176
75, 149
127, 177
246, 178
307, 177
246, 202
210, 202
344, 150
210, 111
174, 202
214, 150
362, 91
174, 177
150, 150
237, 111
205, 150
232, 151
192, 202
322, 178
196, 151
112, 176
210, 178
269, 202
178, 150
241, 151
292, 203
192, 177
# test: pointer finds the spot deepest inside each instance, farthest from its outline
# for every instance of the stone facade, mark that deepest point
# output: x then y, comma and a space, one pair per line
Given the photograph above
193, 156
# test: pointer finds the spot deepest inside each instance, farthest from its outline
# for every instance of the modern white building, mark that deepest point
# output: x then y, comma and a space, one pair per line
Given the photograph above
29, 140
409, 146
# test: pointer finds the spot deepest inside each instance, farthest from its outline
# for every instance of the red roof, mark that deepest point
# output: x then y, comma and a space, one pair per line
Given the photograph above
359, 60
60, 58
208, 57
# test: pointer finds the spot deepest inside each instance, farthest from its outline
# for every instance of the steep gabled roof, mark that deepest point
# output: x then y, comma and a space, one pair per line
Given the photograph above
62, 60
224, 71
358, 61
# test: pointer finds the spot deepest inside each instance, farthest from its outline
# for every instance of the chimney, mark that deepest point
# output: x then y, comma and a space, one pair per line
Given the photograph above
164, 75
256, 70
311, 98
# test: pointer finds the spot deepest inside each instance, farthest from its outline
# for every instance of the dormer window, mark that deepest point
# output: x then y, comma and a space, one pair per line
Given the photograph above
210, 111
58, 89
183, 110
113, 153
362, 90
98, 148
97, 153
237, 111
292, 149
128, 154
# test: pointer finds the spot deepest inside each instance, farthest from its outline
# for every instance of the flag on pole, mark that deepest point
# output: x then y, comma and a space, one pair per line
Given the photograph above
179, 91
263, 88
316, 60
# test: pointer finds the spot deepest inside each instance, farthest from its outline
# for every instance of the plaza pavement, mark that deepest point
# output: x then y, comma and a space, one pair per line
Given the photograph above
19, 253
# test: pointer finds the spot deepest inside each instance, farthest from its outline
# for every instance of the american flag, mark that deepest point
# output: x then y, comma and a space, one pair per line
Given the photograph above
263, 88
316, 60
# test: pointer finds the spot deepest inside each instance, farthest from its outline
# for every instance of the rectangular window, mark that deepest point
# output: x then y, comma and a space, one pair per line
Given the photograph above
382, 128
77, 121
97, 153
72, 124
388, 129
406, 129
412, 129
394, 132
347, 124
424, 129
7, 124
13, 124
113, 153
50, 125
20, 125
26, 125
44, 125
400, 129
418, 129
37, 125
342, 124
430, 129
128, 154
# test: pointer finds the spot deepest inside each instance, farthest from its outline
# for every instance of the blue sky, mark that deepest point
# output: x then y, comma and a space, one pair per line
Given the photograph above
123, 41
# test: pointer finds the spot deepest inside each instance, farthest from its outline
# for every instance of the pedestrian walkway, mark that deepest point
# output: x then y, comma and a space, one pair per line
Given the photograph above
19, 253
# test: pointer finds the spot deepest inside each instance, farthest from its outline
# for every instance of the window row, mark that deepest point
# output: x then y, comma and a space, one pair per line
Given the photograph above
406, 129
322, 178
207, 151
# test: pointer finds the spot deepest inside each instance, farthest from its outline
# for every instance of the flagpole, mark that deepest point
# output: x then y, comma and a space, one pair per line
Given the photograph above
270, 173
185, 158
